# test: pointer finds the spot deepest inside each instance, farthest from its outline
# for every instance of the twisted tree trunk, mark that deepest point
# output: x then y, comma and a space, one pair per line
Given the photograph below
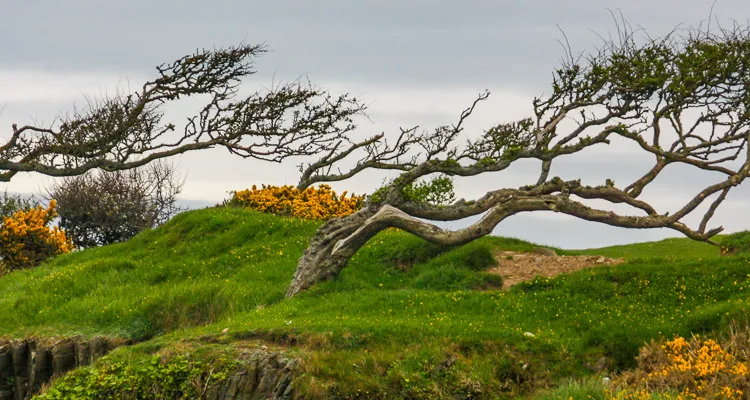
323, 259
338, 240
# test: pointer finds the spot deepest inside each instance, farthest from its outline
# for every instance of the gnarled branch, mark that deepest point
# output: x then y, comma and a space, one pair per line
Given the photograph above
127, 130
682, 98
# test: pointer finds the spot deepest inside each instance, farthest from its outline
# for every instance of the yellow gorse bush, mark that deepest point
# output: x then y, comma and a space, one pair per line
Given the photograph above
26, 239
311, 203
684, 369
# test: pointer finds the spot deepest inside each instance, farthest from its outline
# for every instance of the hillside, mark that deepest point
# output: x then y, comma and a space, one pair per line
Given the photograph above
405, 319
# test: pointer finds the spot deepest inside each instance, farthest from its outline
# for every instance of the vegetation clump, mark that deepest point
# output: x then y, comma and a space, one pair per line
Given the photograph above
180, 377
12, 202
26, 239
100, 208
695, 368
289, 201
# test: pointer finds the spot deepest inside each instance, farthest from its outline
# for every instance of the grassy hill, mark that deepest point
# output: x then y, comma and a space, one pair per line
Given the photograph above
405, 319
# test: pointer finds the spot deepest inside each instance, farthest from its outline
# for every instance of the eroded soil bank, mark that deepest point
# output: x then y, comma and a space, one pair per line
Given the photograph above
516, 267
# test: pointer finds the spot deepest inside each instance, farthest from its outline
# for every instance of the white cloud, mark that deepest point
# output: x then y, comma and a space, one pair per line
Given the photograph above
37, 85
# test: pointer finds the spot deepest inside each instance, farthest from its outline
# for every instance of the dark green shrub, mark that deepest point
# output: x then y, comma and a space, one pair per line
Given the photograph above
403, 250
476, 256
620, 344
451, 277
716, 319
150, 378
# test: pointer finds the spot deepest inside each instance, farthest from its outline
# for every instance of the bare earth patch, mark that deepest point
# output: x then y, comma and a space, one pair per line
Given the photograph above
517, 267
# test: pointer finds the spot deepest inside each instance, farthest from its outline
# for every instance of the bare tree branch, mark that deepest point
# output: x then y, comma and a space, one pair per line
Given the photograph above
683, 97
127, 130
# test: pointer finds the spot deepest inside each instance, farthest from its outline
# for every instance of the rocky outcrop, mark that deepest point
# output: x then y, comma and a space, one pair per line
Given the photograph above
26, 365
263, 375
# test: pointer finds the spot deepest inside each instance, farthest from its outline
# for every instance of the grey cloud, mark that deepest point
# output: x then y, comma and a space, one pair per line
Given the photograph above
418, 42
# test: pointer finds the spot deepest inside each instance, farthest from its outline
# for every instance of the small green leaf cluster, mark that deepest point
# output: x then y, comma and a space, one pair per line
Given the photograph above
11, 202
505, 141
436, 191
682, 68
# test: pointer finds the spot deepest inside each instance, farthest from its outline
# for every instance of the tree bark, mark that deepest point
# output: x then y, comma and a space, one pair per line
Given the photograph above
319, 262
338, 240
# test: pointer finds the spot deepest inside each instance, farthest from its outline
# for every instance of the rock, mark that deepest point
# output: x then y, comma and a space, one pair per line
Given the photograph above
6, 372
83, 353
27, 365
31, 363
41, 365
601, 260
99, 347
544, 251
529, 334
19, 353
266, 375
601, 365
63, 357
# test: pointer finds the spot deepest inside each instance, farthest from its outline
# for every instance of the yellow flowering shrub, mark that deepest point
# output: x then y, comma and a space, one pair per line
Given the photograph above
684, 369
26, 238
311, 203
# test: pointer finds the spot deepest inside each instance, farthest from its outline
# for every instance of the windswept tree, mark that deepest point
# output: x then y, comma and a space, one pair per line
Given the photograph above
128, 130
683, 98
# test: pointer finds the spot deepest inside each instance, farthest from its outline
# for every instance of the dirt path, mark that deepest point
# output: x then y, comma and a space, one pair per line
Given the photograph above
517, 267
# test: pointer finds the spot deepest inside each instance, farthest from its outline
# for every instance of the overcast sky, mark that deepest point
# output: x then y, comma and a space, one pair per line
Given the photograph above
415, 62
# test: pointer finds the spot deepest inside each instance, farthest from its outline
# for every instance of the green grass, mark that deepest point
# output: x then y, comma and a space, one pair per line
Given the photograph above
590, 388
738, 242
405, 319
671, 249
199, 268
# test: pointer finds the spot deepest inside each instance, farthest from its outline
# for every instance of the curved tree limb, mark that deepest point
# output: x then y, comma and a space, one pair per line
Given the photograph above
127, 130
